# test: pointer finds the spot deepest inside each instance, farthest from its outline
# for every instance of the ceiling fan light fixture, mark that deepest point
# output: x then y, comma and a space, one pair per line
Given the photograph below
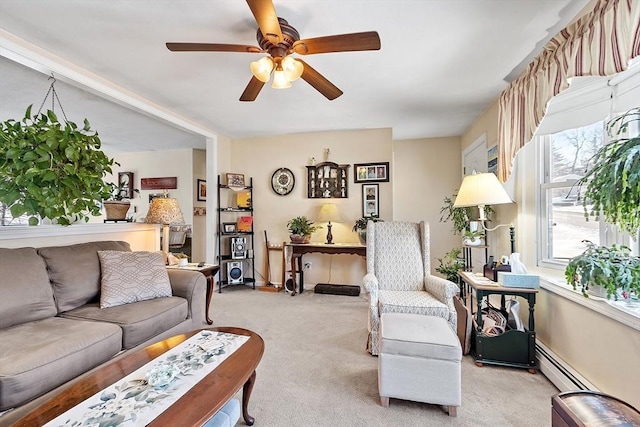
292, 69
280, 80
262, 68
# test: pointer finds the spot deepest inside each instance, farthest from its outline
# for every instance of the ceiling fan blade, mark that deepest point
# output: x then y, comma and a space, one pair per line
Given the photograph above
252, 90
319, 82
265, 14
369, 40
212, 47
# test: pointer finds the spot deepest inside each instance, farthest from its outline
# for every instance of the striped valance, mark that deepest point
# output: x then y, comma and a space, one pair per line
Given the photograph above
600, 43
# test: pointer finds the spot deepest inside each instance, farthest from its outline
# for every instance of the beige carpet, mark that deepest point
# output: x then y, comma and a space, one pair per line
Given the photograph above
315, 370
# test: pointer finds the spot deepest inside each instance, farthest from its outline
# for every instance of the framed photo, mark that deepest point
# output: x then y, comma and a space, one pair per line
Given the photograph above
370, 200
229, 227
202, 190
371, 172
235, 180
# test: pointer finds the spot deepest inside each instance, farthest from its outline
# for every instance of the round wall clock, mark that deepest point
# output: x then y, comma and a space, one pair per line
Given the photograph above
283, 181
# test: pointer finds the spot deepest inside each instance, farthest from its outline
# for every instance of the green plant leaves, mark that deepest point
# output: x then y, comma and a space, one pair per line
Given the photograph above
52, 170
613, 268
612, 185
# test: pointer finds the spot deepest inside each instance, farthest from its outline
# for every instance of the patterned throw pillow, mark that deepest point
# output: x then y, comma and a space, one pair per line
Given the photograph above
132, 276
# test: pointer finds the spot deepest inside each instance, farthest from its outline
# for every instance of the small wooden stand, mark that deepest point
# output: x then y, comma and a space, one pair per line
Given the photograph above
270, 247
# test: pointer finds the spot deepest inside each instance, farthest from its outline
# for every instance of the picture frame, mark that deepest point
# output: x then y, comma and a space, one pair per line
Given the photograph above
235, 180
202, 190
229, 228
371, 172
370, 200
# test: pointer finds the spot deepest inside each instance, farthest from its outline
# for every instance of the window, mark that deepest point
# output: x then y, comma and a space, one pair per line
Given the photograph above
565, 156
7, 219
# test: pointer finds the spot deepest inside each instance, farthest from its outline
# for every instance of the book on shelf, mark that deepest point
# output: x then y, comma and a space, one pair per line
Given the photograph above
245, 223
243, 199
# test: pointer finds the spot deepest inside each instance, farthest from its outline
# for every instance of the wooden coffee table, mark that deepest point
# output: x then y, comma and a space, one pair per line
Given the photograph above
197, 406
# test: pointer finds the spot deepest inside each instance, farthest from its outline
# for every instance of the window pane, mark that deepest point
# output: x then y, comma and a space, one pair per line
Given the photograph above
567, 226
571, 151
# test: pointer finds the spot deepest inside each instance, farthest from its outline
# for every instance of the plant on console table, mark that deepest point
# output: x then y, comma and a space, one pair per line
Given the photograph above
300, 229
52, 170
360, 226
117, 206
613, 269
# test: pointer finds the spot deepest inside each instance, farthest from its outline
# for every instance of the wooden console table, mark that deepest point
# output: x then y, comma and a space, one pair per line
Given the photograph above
299, 249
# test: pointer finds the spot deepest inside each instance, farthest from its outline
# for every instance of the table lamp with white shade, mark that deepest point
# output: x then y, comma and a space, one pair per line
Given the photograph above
481, 189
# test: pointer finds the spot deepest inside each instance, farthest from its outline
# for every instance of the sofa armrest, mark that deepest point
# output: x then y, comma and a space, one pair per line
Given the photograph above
192, 286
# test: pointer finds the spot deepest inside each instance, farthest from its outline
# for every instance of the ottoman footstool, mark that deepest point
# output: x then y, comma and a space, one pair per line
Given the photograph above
419, 360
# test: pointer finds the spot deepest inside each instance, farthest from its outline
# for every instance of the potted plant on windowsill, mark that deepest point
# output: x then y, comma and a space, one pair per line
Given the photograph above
605, 272
52, 170
300, 229
360, 227
118, 204
611, 189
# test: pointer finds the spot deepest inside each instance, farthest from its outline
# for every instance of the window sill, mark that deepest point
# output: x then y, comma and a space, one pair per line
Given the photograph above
625, 312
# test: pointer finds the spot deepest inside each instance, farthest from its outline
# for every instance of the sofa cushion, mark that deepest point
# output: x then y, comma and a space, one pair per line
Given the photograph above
139, 321
74, 271
131, 277
414, 302
25, 291
38, 356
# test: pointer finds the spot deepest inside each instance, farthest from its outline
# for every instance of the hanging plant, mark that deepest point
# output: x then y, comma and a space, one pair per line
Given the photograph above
612, 185
52, 170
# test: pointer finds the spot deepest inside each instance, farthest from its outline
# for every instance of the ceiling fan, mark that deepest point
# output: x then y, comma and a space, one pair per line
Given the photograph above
279, 39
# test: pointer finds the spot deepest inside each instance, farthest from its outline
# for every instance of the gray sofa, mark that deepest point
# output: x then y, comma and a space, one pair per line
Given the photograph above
52, 329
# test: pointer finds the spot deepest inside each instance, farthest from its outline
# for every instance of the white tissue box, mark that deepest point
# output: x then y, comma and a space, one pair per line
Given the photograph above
515, 280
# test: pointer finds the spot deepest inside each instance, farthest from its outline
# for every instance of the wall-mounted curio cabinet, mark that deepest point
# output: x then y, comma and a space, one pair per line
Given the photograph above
328, 180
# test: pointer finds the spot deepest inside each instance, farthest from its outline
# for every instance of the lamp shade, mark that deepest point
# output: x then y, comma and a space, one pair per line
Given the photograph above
262, 68
481, 189
292, 69
164, 211
329, 213
280, 80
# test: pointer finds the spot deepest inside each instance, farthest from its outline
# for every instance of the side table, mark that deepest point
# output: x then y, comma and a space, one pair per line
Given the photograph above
512, 348
209, 271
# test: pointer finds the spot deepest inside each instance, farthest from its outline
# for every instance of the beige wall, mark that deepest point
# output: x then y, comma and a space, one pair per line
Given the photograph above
260, 157
425, 172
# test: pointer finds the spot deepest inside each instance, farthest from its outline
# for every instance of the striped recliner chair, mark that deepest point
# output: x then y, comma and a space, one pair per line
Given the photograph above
399, 278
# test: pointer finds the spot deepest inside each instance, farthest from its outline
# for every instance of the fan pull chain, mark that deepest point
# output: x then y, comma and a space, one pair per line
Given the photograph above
54, 97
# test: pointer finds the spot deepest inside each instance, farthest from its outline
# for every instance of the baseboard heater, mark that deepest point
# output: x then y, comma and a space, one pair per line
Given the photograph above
563, 376
328, 288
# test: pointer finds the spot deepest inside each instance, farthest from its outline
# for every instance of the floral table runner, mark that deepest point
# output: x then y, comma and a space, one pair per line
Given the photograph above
141, 396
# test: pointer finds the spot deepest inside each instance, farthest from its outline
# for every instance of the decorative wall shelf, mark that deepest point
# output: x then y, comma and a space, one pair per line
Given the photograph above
328, 180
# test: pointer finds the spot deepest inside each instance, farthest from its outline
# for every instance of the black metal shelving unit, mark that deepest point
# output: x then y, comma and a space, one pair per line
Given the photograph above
235, 249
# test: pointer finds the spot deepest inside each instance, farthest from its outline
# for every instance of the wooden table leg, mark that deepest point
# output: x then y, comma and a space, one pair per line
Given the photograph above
293, 273
246, 394
210, 287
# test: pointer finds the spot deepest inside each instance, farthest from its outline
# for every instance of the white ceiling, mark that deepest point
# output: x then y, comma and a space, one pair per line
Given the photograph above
441, 64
